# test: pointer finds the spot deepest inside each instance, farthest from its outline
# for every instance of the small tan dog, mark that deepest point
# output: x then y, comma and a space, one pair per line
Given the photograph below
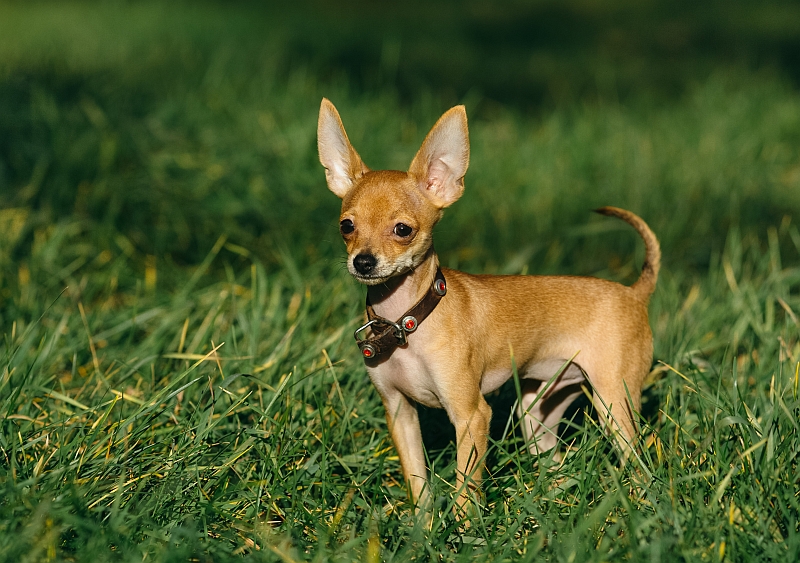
559, 330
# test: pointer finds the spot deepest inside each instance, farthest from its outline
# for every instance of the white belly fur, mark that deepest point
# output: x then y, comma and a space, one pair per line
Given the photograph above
540, 371
410, 374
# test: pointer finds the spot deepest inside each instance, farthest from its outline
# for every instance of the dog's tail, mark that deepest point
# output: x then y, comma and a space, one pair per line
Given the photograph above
646, 283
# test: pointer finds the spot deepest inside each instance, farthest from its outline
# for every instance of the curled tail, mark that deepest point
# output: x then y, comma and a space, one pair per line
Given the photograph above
646, 283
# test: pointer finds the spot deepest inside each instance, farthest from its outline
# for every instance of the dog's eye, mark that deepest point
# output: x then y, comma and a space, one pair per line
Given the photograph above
402, 230
346, 227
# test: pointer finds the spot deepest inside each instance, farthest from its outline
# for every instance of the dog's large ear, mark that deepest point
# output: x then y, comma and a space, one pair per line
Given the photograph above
442, 161
342, 164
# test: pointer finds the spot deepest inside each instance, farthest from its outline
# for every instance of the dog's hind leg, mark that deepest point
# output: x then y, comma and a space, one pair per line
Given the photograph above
540, 416
617, 401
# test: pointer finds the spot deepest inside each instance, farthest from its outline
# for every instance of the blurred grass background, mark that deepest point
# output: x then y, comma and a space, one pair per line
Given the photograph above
160, 194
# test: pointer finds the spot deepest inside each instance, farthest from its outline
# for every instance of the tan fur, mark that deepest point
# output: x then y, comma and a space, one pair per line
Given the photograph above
464, 348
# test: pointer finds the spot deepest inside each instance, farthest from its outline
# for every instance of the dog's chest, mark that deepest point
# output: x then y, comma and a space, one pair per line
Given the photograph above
407, 372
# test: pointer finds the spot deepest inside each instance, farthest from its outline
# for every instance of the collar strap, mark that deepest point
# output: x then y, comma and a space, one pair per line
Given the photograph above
388, 335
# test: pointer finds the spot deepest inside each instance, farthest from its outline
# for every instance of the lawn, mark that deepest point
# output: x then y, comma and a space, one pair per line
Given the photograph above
178, 378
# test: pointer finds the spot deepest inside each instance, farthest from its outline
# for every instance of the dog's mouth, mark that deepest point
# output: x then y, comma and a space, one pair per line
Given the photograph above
372, 279
380, 275
382, 270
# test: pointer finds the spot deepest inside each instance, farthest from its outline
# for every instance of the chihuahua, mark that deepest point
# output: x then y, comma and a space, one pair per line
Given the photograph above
556, 331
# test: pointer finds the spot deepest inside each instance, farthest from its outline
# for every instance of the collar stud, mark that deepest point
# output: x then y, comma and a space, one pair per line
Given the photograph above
409, 323
367, 351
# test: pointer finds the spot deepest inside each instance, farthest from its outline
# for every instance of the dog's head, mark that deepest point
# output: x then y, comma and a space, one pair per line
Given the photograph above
388, 216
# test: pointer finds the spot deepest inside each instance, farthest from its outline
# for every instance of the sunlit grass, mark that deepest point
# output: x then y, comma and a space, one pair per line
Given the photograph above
178, 379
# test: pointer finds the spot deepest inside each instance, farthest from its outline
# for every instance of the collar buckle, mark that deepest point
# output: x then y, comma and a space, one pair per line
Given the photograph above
362, 328
399, 331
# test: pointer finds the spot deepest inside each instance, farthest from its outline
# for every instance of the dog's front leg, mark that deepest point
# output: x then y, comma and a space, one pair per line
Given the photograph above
471, 415
403, 420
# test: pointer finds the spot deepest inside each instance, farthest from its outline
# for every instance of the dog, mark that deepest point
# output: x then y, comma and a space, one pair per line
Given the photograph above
444, 338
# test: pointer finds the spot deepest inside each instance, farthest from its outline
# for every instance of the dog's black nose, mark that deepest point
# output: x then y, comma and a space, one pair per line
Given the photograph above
364, 263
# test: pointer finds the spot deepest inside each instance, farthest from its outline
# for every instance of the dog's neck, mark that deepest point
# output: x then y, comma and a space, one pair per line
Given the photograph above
393, 298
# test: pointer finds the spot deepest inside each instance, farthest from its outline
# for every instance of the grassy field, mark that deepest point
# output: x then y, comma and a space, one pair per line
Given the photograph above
178, 379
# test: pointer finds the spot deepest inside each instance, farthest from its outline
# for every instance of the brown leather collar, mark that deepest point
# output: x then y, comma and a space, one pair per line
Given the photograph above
386, 335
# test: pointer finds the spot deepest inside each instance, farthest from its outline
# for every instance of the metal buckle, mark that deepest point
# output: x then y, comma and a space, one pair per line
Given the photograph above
363, 328
399, 333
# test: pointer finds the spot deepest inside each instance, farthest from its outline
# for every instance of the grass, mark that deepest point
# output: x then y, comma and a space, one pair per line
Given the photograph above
178, 378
